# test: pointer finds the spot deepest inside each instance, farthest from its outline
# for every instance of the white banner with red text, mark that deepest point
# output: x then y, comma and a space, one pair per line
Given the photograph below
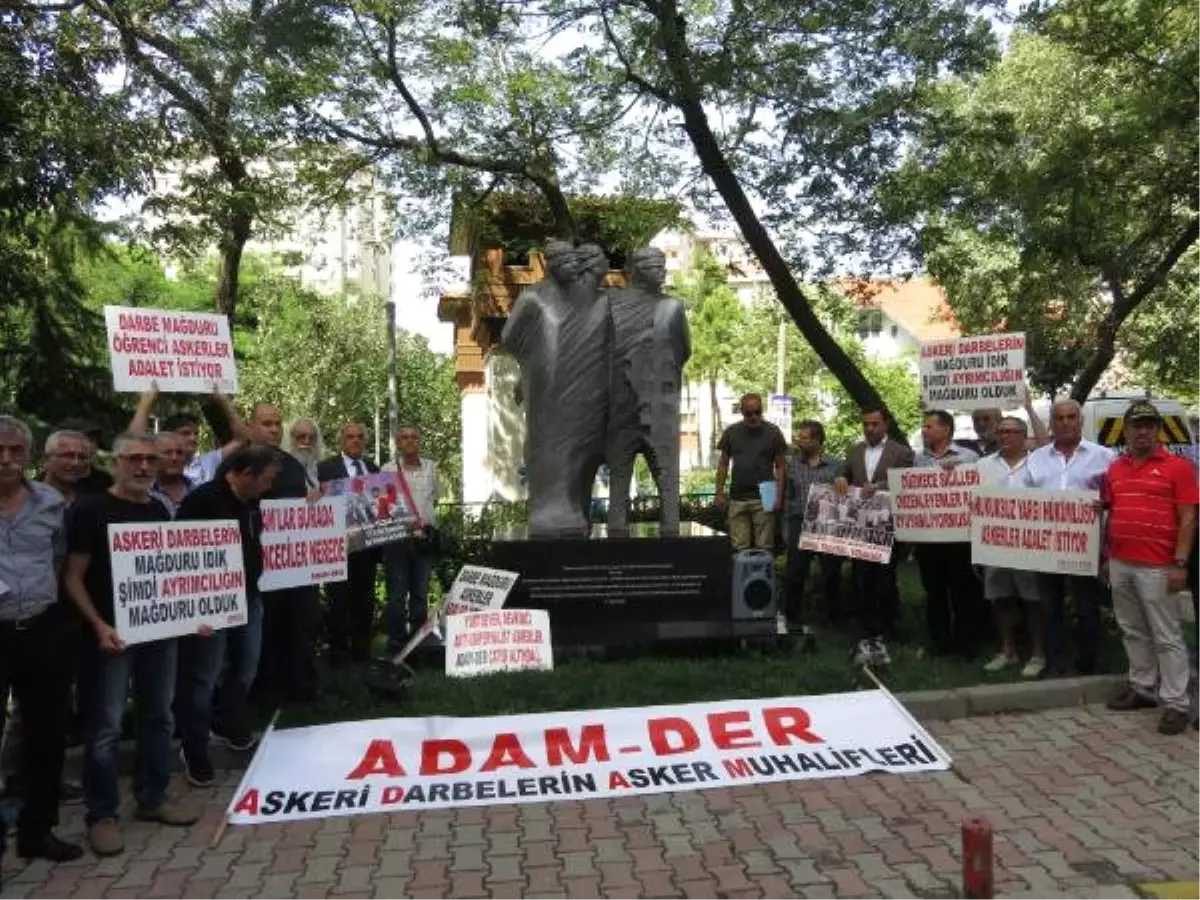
968, 373
503, 640
303, 543
932, 505
174, 578
395, 765
1038, 531
180, 352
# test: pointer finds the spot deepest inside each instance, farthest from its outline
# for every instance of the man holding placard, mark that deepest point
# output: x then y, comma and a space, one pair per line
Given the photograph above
1151, 496
1069, 463
151, 665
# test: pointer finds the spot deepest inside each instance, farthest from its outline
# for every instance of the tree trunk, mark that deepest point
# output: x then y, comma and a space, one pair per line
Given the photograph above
714, 436
716, 167
231, 247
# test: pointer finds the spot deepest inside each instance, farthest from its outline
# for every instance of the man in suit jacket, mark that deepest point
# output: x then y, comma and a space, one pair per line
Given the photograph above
866, 467
351, 602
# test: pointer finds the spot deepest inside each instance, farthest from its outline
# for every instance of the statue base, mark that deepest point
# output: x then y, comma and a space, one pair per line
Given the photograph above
638, 589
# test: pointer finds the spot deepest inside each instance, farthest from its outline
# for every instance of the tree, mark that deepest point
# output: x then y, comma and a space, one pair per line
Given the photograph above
715, 318
1056, 194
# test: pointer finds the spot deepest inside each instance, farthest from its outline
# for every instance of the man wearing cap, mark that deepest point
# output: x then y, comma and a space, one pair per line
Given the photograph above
1151, 498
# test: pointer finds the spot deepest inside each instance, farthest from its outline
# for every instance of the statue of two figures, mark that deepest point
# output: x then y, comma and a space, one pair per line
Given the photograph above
601, 377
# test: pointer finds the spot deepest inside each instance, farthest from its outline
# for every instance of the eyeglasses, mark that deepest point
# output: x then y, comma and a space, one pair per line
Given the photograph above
304, 436
77, 457
139, 459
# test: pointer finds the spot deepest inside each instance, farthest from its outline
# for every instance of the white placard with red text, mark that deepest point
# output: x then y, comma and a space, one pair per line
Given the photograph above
501, 640
303, 543
181, 352
405, 765
173, 578
932, 505
973, 372
1038, 531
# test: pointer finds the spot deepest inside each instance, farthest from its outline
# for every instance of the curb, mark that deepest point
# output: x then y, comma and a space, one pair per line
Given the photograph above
1017, 697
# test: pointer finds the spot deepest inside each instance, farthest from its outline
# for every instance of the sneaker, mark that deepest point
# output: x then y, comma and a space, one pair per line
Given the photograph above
999, 662
197, 769
1129, 699
1173, 721
242, 743
105, 837
861, 654
170, 812
879, 653
1034, 668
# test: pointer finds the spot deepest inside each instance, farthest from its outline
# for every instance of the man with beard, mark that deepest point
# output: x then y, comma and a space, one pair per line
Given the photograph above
303, 441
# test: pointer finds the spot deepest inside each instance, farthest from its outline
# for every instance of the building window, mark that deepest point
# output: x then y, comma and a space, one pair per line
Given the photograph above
895, 331
870, 323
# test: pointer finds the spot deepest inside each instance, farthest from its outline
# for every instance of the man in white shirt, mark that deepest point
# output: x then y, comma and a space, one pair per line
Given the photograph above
408, 564
1010, 590
1069, 463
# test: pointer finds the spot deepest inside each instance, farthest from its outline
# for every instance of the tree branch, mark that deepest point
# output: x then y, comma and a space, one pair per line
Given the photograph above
643, 84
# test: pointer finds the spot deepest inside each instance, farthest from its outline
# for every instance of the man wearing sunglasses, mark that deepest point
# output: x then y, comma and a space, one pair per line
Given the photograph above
758, 451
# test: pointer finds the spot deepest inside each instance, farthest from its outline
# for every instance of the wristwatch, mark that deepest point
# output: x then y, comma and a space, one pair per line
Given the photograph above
1181, 562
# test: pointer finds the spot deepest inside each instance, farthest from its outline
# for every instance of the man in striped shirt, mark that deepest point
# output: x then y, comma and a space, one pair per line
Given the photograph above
1151, 496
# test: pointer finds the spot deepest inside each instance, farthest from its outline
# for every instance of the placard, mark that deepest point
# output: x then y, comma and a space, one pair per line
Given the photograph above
853, 525
172, 578
478, 588
932, 505
973, 372
502, 640
303, 543
1036, 530
179, 352
779, 412
407, 765
376, 511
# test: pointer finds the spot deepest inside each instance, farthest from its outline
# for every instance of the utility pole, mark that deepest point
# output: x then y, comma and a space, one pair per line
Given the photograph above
780, 357
392, 381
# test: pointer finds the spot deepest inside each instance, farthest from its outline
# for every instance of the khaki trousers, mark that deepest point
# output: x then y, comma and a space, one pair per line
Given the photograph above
749, 521
1149, 620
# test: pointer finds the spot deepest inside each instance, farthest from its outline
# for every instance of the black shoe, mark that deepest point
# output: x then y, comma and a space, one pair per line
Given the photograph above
198, 768
1173, 721
1129, 699
47, 846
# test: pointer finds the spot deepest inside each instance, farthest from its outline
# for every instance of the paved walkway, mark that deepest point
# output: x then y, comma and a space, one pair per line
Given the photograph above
1083, 802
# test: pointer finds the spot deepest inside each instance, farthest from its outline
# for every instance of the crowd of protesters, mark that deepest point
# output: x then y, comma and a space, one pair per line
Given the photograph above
63, 662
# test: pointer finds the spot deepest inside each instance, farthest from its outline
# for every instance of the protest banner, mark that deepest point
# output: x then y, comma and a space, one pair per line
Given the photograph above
854, 526
478, 588
403, 765
779, 413
932, 505
303, 543
376, 510
1038, 531
973, 372
498, 641
172, 578
180, 352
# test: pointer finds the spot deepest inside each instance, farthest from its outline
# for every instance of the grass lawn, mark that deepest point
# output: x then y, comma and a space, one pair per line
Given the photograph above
673, 677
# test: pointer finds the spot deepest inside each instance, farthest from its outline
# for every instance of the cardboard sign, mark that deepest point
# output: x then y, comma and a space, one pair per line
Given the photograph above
477, 588
171, 578
973, 372
854, 526
1036, 530
376, 511
303, 543
932, 505
498, 641
407, 765
181, 352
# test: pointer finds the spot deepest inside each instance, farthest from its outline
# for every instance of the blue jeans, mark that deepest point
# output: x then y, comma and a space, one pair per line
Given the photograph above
235, 651
152, 668
407, 572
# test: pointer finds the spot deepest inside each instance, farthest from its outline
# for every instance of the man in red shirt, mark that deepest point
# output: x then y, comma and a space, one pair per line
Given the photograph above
1151, 496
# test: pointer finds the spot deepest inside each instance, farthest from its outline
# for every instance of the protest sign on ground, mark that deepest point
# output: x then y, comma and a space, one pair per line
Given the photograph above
853, 525
1039, 531
501, 640
376, 511
403, 765
932, 505
303, 543
180, 352
973, 372
172, 578
477, 588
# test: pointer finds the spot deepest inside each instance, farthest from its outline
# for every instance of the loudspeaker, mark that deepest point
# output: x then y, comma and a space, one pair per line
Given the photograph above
754, 586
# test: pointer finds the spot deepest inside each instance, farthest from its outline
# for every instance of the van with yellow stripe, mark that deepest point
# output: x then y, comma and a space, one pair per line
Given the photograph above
1104, 422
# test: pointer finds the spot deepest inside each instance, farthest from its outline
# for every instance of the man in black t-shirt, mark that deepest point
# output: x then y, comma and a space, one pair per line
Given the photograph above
758, 452
241, 480
110, 664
